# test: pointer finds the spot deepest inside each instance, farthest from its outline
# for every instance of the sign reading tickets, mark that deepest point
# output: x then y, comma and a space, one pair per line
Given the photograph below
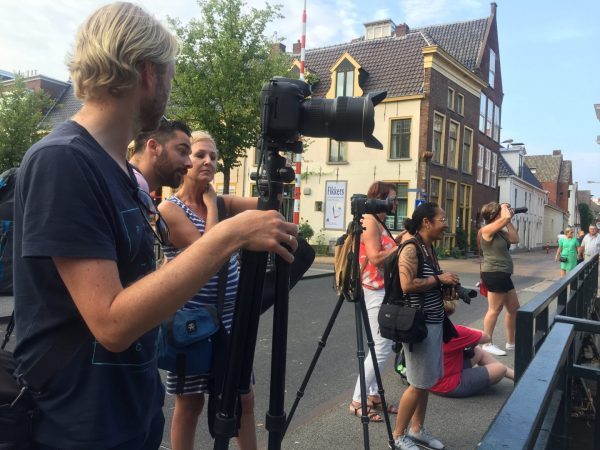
335, 205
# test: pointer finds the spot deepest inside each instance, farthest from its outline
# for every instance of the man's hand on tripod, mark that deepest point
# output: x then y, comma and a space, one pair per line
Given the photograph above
267, 231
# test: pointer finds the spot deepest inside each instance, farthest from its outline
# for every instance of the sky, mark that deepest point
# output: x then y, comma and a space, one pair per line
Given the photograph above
548, 54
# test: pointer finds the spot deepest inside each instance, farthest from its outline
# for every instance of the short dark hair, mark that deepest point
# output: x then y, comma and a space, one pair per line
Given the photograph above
380, 190
162, 134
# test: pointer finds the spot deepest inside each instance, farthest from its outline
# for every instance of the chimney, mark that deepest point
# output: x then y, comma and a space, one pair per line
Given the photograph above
297, 47
277, 48
556, 153
402, 30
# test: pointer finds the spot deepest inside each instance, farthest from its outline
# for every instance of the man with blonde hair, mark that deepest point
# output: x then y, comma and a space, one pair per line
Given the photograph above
83, 246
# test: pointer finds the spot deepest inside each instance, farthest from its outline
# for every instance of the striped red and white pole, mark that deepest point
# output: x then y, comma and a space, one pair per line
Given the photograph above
299, 155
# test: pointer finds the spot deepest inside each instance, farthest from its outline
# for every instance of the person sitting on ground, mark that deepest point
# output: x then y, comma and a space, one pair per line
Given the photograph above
468, 373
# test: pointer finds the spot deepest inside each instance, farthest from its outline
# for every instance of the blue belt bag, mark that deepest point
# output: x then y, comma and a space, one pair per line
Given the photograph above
185, 344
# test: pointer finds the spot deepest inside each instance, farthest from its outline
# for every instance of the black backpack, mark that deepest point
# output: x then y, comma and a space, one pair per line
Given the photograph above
391, 276
7, 192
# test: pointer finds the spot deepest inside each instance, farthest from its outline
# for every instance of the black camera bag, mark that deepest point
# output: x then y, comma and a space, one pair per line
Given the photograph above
397, 320
17, 405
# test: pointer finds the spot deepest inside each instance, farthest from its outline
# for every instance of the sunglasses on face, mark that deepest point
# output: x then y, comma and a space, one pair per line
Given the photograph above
151, 214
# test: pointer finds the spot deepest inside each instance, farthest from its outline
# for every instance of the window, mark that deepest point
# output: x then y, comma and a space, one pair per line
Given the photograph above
450, 205
396, 221
466, 150
453, 145
488, 119
496, 134
494, 175
400, 140
464, 212
338, 151
344, 84
480, 162
460, 105
450, 98
435, 185
482, 108
492, 76
486, 171
438, 134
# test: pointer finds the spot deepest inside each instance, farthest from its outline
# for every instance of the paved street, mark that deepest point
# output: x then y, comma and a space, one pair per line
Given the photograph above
322, 420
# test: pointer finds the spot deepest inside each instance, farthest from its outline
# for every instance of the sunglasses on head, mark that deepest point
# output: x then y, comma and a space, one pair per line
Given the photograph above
151, 214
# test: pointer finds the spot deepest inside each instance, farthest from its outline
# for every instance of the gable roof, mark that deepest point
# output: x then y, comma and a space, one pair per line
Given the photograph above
64, 108
504, 170
530, 177
547, 167
462, 40
395, 63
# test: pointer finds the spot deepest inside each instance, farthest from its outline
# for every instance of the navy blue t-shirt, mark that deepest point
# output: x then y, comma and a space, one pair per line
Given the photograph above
73, 200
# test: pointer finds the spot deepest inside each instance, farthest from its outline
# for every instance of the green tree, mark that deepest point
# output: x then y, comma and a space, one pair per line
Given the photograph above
21, 111
586, 216
225, 60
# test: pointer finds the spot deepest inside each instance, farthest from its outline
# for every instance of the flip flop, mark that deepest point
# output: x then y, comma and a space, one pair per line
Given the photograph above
378, 406
371, 413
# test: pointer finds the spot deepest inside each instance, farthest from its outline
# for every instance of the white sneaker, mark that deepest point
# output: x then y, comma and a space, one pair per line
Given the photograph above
510, 346
405, 443
491, 348
424, 437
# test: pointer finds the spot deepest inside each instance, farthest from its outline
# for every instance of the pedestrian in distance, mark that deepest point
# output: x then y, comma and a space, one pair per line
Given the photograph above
468, 369
567, 252
376, 244
495, 239
590, 245
84, 247
191, 212
580, 236
424, 360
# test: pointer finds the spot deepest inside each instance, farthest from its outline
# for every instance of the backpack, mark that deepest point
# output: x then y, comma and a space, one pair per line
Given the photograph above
391, 276
7, 192
342, 259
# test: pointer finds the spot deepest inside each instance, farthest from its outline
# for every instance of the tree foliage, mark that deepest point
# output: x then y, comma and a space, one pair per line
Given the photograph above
225, 60
586, 216
21, 111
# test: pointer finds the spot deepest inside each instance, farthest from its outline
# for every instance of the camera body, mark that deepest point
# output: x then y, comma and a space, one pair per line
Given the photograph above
360, 205
288, 111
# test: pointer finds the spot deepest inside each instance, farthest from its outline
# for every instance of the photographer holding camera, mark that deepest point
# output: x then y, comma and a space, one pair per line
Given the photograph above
424, 361
495, 239
376, 244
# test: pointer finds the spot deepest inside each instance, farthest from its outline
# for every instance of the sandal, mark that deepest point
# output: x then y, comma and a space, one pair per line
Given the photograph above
378, 406
371, 413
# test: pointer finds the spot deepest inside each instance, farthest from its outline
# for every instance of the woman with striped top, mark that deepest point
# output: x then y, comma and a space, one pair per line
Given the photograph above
190, 213
424, 361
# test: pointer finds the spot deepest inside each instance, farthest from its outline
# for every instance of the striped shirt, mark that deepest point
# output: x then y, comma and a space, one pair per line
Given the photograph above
433, 305
207, 295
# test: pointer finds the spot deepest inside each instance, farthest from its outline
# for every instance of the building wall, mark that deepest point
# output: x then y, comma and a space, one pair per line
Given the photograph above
530, 225
553, 225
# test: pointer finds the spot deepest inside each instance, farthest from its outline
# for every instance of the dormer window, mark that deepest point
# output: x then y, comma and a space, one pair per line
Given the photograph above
344, 79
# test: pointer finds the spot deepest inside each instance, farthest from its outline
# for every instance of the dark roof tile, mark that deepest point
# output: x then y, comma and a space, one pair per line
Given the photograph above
65, 108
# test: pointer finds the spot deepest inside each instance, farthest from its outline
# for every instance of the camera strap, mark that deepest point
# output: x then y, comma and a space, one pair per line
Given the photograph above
384, 226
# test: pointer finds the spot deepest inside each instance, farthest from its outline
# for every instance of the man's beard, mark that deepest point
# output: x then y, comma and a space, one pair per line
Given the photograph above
153, 110
166, 175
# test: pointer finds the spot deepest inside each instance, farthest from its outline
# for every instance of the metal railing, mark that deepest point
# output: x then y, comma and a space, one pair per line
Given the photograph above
571, 296
536, 415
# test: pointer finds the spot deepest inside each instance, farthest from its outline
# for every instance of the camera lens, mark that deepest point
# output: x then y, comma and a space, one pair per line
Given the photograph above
342, 119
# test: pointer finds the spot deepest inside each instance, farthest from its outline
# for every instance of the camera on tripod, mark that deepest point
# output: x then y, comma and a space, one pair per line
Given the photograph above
360, 205
287, 111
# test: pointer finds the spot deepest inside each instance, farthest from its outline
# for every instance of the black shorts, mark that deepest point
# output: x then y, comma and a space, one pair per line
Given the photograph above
497, 281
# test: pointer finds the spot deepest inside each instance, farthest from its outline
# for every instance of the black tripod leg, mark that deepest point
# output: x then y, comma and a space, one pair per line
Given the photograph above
313, 363
275, 420
360, 356
380, 390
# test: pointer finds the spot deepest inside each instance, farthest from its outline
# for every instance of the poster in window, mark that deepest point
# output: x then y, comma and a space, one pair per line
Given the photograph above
335, 205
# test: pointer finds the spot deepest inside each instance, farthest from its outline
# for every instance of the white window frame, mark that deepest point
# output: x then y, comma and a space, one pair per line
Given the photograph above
496, 133
492, 74
480, 163
453, 159
460, 104
494, 175
489, 117
468, 160
482, 111
487, 167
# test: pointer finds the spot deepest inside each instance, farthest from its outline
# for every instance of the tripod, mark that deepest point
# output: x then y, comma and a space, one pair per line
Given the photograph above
352, 292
